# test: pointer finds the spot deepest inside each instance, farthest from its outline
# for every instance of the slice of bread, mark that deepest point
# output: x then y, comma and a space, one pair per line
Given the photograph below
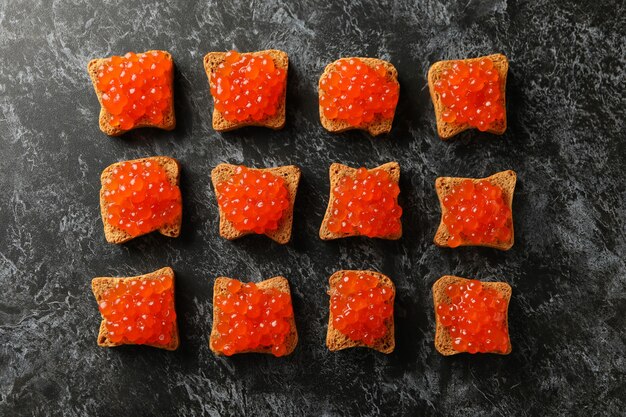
338, 171
116, 235
447, 130
279, 283
276, 122
377, 126
443, 341
169, 119
443, 185
101, 284
335, 340
291, 175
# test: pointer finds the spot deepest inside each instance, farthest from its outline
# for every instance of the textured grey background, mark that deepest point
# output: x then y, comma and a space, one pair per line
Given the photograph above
565, 140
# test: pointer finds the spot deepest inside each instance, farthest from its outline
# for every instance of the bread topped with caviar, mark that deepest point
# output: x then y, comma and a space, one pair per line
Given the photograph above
265, 208
363, 202
358, 93
139, 327
480, 83
369, 296
454, 334
248, 88
134, 90
476, 211
272, 330
129, 189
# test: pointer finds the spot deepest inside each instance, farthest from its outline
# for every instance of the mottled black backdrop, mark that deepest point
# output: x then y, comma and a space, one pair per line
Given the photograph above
565, 140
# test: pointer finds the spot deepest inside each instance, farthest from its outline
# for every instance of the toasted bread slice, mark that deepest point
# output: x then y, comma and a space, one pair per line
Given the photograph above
101, 284
338, 171
335, 340
279, 283
291, 175
377, 126
116, 235
443, 341
447, 130
443, 185
169, 119
276, 122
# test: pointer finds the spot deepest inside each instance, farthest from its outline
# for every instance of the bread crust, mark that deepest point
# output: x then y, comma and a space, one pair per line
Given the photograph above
338, 171
335, 340
447, 130
443, 341
169, 119
276, 122
100, 285
376, 127
505, 180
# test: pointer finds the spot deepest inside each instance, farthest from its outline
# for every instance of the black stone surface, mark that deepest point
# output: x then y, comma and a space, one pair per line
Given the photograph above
565, 141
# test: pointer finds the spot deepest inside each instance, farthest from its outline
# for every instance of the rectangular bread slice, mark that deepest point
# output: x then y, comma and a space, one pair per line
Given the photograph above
116, 235
443, 341
335, 340
101, 284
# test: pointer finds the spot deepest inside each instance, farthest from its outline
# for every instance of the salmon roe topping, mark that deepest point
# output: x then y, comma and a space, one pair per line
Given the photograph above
136, 88
361, 307
247, 87
470, 93
249, 318
140, 311
140, 199
475, 318
357, 93
476, 214
366, 204
253, 200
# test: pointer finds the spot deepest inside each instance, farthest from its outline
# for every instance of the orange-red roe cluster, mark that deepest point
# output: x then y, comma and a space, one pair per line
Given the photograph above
366, 204
475, 318
249, 318
357, 93
477, 214
470, 93
253, 200
136, 88
140, 311
361, 307
247, 87
139, 198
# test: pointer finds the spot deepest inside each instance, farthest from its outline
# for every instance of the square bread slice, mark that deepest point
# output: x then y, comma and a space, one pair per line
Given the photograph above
276, 122
443, 185
291, 175
335, 340
443, 341
116, 235
338, 171
447, 130
169, 120
279, 283
101, 284
377, 126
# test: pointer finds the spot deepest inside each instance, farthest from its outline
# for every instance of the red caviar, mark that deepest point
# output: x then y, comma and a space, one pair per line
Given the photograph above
250, 318
253, 200
247, 87
136, 88
140, 199
366, 204
475, 318
470, 93
140, 311
477, 214
358, 93
361, 307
